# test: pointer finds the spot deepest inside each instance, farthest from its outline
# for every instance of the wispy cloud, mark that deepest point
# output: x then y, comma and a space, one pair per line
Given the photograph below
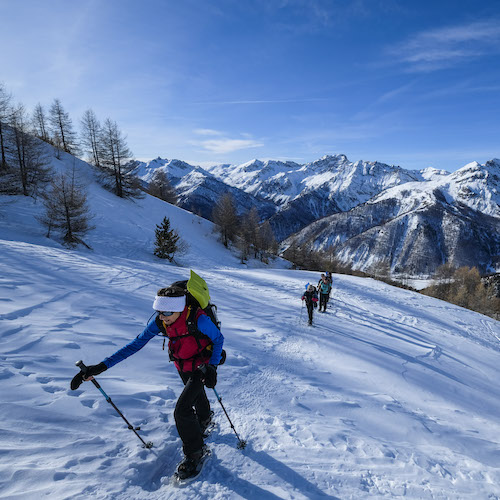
448, 46
207, 131
221, 144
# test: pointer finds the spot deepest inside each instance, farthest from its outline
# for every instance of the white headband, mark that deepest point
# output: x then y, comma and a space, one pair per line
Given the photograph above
174, 304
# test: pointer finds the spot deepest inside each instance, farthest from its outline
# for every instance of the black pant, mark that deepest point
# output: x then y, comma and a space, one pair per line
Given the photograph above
192, 408
323, 300
310, 308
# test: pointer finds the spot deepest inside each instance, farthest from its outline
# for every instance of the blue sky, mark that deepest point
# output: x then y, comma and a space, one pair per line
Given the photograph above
410, 83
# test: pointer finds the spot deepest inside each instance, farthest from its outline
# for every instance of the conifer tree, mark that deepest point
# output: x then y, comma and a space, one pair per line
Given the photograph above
167, 240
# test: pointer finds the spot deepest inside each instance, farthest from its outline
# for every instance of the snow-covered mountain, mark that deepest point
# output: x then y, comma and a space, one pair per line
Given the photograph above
198, 190
296, 194
416, 226
430, 216
305, 193
391, 394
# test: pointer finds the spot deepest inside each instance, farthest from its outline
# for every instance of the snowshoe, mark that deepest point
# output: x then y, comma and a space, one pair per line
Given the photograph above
191, 467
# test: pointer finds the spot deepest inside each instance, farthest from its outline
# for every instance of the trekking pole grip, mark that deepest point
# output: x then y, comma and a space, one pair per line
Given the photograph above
81, 365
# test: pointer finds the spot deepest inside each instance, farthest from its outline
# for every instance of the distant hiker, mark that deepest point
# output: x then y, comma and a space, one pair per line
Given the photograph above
324, 287
195, 347
311, 298
328, 275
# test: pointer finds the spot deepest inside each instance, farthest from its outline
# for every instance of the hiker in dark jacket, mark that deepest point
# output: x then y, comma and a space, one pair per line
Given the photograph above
324, 287
311, 298
196, 357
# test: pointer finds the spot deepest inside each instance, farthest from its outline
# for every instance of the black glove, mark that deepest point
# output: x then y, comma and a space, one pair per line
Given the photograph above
89, 372
222, 357
210, 377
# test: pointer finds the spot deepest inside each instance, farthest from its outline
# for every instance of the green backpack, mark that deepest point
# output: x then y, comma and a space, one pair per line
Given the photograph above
197, 295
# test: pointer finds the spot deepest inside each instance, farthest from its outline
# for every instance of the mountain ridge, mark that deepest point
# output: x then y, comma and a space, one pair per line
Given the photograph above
297, 197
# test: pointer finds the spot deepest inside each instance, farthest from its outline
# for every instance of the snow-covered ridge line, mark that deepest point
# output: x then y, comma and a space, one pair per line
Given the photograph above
330, 185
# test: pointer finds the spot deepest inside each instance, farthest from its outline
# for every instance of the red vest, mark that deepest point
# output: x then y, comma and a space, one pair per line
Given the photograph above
187, 350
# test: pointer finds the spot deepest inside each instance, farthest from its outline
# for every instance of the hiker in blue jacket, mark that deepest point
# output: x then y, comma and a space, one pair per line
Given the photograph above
324, 287
196, 354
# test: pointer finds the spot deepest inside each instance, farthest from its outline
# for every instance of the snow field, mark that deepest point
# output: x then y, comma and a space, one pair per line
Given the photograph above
389, 394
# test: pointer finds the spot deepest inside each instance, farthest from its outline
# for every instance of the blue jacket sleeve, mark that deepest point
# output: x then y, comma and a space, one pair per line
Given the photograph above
207, 327
132, 347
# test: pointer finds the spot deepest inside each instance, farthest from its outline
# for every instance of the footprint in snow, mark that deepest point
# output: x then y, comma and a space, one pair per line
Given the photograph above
52, 389
58, 476
72, 463
5, 374
71, 345
89, 403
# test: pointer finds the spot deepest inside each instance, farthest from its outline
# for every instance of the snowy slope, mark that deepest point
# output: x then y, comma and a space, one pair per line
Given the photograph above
123, 227
391, 394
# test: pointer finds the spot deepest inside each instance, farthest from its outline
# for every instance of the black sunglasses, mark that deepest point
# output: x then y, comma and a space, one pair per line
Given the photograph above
165, 313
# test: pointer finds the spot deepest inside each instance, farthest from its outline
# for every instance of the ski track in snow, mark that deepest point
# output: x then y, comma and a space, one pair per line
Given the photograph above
389, 394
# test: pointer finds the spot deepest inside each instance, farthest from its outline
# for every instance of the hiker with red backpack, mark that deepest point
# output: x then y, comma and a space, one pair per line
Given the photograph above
195, 347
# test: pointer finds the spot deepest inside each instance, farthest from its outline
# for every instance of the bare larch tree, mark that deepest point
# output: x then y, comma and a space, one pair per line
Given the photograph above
117, 162
66, 209
90, 135
63, 135
224, 215
5, 99
40, 123
161, 187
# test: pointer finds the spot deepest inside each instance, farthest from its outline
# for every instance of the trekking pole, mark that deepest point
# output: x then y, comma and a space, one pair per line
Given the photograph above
241, 443
301, 309
83, 368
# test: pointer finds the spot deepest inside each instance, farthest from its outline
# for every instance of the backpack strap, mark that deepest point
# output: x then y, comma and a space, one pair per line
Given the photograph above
192, 323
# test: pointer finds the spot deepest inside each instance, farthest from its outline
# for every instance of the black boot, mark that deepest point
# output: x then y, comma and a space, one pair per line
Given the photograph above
192, 464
